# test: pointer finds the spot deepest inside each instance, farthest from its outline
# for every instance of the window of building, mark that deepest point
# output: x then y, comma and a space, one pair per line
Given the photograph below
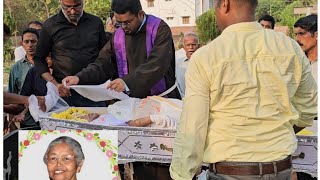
150, 3
169, 18
186, 20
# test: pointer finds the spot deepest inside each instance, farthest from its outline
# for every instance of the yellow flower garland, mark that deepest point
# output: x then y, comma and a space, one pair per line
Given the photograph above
72, 113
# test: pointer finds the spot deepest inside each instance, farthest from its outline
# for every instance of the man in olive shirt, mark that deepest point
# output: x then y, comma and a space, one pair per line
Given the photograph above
74, 39
242, 101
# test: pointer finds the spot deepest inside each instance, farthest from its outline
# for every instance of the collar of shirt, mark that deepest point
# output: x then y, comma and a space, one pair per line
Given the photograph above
245, 26
25, 60
62, 18
143, 22
313, 61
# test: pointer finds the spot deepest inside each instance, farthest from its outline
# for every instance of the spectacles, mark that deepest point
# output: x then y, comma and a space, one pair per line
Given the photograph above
123, 24
76, 7
52, 159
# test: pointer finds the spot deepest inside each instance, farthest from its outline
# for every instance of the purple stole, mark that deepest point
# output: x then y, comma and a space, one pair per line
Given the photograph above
121, 56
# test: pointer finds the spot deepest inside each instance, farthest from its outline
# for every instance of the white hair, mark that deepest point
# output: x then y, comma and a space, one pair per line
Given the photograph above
191, 34
75, 145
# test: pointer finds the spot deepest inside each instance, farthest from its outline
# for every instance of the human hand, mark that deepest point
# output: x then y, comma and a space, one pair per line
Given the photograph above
141, 122
70, 80
18, 118
42, 103
63, 91
117, 85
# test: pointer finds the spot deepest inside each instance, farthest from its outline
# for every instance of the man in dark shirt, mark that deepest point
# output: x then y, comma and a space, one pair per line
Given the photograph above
141, 54
74, 39
34, 85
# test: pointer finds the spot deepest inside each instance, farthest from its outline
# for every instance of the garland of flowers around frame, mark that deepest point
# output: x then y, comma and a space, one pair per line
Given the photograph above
104, 144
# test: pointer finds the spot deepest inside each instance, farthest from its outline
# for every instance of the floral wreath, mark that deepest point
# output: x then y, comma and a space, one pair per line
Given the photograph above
104, 144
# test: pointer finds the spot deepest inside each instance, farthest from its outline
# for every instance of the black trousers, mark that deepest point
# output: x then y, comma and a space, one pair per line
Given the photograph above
154, 171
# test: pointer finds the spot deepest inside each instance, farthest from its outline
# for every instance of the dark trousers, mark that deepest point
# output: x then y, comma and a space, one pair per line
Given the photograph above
154, 171
79, 101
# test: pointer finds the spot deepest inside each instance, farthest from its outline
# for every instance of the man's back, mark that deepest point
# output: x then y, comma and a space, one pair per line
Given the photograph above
256, 87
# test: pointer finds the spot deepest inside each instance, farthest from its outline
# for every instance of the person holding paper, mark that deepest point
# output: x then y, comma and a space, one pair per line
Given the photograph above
139, 57
74, 39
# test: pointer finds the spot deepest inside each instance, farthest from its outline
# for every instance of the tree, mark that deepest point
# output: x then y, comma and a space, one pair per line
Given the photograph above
42, 9
206, 27
8, 47
100, 8
287, 18
271, 7
24, 11
18, 13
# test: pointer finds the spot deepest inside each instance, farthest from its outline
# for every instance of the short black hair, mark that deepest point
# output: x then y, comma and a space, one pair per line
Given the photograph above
30, 30
35, 22
308, 23
6, 29
124, 6
268, 18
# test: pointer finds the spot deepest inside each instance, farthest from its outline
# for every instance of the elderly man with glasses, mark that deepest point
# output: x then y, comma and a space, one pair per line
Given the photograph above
74, 38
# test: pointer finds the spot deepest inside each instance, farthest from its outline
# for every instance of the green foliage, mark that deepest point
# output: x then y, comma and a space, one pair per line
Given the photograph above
287, 18
9, 20
41, 9
20, 12
271, 7
17, 14
206, 27
8, 51
100, 8
282, 11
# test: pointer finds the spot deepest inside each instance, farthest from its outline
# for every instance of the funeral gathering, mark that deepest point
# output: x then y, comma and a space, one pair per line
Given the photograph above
160, 90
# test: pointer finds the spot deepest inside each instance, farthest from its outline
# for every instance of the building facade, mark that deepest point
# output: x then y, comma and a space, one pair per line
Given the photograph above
175, 13
180, 15
203, 6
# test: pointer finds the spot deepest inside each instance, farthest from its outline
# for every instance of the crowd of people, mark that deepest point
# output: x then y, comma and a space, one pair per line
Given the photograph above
245, 93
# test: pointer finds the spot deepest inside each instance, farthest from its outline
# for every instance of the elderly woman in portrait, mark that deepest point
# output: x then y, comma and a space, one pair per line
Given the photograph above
64, 158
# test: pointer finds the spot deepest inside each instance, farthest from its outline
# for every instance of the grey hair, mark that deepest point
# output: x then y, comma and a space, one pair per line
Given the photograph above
75, 145
191, 34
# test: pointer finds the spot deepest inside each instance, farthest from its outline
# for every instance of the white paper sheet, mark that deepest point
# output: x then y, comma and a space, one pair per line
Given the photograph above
108, 120
99, 92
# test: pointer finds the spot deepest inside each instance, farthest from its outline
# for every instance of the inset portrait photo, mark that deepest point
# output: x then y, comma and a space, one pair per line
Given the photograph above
68, 155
